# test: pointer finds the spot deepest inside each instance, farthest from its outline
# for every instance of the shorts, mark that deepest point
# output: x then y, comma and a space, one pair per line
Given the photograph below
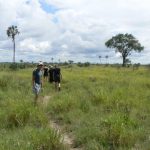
46, 75
57, 79
36, 88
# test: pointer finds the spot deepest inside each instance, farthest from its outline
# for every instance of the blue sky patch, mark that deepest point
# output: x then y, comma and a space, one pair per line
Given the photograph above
48, 8
55, 20
27, 2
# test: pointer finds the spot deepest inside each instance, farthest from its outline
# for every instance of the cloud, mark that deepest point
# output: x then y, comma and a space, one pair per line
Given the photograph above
72, 29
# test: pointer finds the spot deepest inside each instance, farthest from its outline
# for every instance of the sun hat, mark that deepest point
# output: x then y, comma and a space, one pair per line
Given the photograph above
50, 66
40, 63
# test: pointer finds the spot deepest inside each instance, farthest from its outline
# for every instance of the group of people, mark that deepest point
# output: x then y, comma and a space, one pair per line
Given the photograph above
51, 74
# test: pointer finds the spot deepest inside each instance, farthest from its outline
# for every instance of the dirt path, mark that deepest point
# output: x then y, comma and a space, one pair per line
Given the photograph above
46, 100
66, 137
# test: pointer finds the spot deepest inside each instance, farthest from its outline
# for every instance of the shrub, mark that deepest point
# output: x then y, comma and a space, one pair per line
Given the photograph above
18, 114
3, 83
13, 66
86, 64
136, 66
30, 138
79, 64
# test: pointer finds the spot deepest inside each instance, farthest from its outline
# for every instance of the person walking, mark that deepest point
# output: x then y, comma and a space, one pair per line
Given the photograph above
57, 76
45, 73
51, 69
37, 82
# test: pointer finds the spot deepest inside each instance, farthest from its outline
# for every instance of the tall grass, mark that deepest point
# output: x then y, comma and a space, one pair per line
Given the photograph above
105, 108
23, 126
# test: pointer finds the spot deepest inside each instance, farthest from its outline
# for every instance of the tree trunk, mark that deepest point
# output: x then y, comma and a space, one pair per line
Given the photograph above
124, 61
14, 51
100, 60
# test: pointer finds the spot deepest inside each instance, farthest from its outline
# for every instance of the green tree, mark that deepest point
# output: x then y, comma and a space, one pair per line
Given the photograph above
12, 31
100, 58
59, 61
21, 61
124, 44
52, 59
70, 62
106, 59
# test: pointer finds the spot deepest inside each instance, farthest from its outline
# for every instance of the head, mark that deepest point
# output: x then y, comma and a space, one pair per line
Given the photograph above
50, 66
45, 66
55, 66
40, 65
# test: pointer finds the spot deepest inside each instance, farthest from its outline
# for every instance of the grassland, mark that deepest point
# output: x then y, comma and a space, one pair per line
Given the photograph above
103, 107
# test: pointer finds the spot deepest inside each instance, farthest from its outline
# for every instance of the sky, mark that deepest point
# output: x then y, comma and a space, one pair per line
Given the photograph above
73, 29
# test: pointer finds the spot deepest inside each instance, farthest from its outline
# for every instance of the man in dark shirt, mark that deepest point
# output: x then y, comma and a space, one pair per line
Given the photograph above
37, 82
45, 73
51, 80
57, 77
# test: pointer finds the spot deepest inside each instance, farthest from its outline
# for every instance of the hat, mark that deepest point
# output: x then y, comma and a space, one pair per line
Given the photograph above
50, 66
40, 63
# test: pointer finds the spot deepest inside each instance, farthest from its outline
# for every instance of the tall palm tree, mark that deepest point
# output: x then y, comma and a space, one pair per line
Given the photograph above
106, 59
12, 31
100, 58
52, 59
21, 61
59, 61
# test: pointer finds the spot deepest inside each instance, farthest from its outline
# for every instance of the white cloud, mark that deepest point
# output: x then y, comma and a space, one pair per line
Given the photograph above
31, 45
77, 30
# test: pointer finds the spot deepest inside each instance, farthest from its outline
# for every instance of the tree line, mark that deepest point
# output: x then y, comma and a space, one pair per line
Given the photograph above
122, 43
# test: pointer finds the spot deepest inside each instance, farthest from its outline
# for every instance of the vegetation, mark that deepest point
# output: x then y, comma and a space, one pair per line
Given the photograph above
103, 107
23, 126
12, 32
124, 44
86, 64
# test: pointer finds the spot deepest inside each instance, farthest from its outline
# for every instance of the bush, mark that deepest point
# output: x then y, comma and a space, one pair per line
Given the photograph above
13, 66
79, 64
18, 114
136, 66
30, 138
86, 64
21, 113
22, 66
3, 83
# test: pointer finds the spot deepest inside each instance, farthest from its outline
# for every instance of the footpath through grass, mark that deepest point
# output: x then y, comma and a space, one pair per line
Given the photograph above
103, 107
23, 126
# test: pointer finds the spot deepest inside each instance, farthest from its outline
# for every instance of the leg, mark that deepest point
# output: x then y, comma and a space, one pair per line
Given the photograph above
55, 86
47, 78
35, 99
59, 86
37, 89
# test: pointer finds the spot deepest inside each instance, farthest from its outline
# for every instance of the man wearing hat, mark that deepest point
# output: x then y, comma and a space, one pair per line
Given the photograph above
37, 80
57, 76
51, 69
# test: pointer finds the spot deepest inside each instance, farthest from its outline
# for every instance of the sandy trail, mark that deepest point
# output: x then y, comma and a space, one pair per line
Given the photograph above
66, 137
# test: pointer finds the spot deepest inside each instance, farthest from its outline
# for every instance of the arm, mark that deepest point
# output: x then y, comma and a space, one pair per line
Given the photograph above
42, 82
41, 78
60, 76
33, 79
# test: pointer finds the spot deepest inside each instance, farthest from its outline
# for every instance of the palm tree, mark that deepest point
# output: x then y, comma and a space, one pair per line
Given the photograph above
70, 62
12, 31
52, 59
106, 59
59, 61
100, 58
21, 61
